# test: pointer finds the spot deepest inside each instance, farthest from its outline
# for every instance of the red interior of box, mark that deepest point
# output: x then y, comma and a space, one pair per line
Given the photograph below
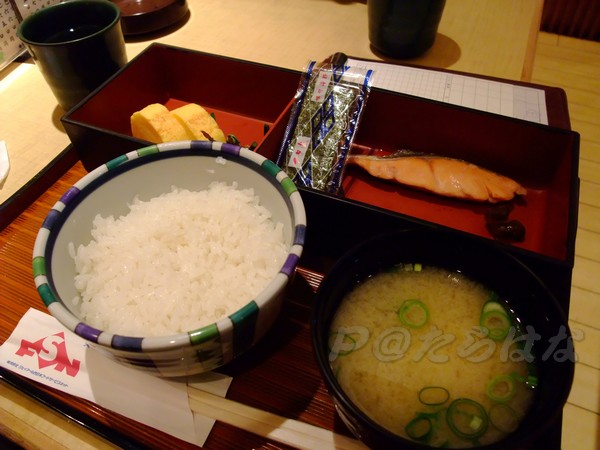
246, 129
243, 96
543, 159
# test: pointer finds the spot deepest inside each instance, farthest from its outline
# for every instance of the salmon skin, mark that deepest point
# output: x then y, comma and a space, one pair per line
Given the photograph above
441, 175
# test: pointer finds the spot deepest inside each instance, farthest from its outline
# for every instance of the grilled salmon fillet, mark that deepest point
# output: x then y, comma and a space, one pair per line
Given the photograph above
441, 175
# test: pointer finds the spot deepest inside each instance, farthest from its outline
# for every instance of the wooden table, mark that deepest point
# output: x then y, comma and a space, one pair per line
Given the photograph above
488, 37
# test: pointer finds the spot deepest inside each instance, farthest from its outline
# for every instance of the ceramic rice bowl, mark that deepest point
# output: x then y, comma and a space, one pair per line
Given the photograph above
148, 173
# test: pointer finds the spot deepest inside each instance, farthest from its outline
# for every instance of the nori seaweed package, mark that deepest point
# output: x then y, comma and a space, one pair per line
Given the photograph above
324, 118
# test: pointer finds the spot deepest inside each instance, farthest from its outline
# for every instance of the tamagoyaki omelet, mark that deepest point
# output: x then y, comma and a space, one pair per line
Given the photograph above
155, 123
197, 121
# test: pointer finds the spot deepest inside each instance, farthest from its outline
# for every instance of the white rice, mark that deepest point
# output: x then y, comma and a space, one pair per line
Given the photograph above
178, 261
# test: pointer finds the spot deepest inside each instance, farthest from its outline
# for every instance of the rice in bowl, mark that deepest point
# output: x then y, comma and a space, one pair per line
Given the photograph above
178, 261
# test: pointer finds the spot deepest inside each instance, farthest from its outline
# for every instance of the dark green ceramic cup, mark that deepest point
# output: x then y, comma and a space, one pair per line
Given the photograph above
404, 28
77, 45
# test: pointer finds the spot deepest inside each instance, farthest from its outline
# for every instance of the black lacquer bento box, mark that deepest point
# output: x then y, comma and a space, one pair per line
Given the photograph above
254, 102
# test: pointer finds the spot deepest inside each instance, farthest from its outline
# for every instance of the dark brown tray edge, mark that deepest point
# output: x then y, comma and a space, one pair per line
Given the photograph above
84, 420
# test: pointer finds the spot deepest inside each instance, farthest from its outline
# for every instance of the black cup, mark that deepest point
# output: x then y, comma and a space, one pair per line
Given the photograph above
77, 45
404, 28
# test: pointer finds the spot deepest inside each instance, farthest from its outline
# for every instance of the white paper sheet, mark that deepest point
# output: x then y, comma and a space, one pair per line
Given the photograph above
521, 102
40, 348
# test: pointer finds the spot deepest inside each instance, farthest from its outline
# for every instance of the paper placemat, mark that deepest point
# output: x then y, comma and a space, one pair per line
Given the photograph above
41, 349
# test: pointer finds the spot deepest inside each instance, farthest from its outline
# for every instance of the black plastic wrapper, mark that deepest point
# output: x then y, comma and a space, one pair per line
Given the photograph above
324, 119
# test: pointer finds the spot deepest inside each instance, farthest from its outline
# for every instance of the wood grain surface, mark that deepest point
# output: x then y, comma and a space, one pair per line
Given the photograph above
574, 65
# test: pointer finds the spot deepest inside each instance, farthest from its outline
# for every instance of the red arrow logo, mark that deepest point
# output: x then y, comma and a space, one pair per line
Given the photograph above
51, 351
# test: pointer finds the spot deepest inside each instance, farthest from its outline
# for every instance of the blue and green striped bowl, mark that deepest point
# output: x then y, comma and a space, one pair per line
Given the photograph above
147, 173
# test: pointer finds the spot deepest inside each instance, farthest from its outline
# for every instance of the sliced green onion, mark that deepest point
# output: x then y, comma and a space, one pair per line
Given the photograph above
493, 297
406, 267
518, 377
467, 418
531, 381
475, 423
420, 428
493, 306
496, 321
413, 313
212, 114
501, 388
266, 128
253, 145
503, 418
434, 395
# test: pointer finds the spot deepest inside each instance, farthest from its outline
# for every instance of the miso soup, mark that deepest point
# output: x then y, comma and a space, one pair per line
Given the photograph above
433, 356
